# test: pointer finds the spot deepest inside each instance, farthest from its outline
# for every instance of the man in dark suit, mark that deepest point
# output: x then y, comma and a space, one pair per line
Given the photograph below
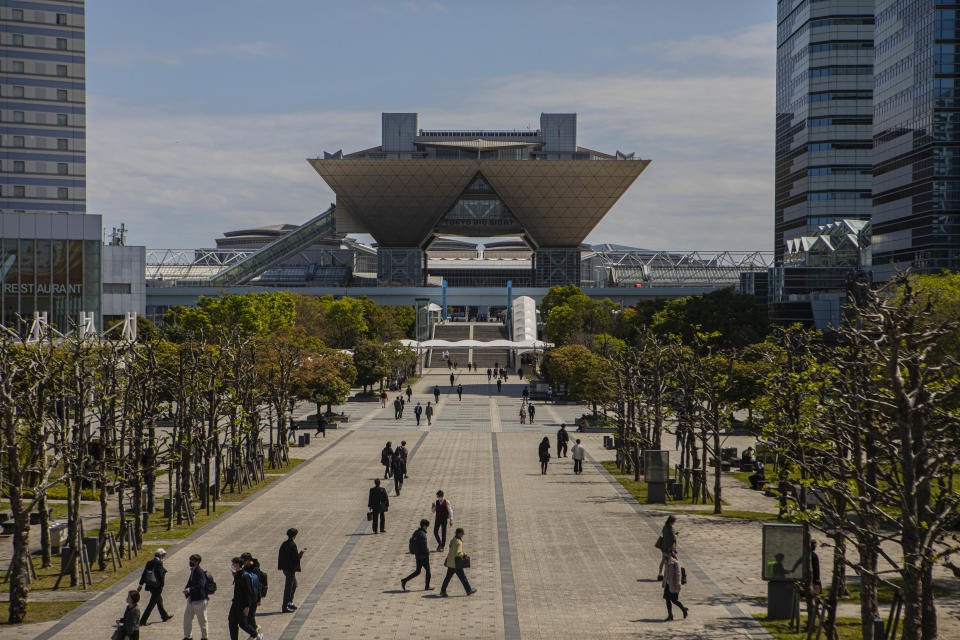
288, 561
152, 577
378, 503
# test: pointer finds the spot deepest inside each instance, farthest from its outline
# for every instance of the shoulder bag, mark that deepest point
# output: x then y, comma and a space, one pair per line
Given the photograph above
462, 562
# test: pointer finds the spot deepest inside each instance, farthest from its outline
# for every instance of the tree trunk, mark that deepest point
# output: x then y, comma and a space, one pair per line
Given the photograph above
102, 535
928, 614
717, 505
837, 586
44, 523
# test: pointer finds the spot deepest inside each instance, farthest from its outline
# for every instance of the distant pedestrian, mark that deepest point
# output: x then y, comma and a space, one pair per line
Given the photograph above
417, 412
469, 367
396, 408
409, 393
420, 551
378, 502
429, 413
489, 375
525, 393
577, 453
562, 439
672, 583
455, 565
398, 471
401, 452
499, 385
496, 366
244, 599
383, 399
321, 425
460, 392
402, 406
544, 453
443, 515
532, 412
436, 393
386, 455
288, 561
258, 578
196, 594
668, 543
153, 576
523, 414
128, 627
451, 379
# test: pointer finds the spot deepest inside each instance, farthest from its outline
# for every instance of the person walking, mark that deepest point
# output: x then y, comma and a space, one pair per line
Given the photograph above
398, 472
196, 594
523, 414
429, 413
443, 515
526, 393
420, 551
456, 554
396, 408
489, 375
544, 453
499, 385
436, 393
385, 459
577, 453
451, 379
532, 412
460, 392
403, 405
401, 453
496, 367
383, 399
378, 503
668, 543
409, 393
672, 583
288, 561
562, 439
417, 412
152, 578
244, 599
469, 367
129, 625
251, 566
321, 425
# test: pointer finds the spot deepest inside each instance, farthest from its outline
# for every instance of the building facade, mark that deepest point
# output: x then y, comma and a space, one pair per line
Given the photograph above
42, 107
824, 114
916, 155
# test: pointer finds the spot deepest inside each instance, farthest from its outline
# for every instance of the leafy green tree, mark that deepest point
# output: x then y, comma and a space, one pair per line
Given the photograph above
562, 323
582, 372
347, 321
560, 295
325, 378
370, 362
252, 314
733, 319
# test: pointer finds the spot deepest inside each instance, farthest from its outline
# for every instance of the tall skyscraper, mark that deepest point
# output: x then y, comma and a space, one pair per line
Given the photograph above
42, 157
916, 155
824, 132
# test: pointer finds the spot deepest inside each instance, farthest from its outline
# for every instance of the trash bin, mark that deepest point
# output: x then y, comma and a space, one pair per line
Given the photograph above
300, 441
306, 439
167, 508
92, 544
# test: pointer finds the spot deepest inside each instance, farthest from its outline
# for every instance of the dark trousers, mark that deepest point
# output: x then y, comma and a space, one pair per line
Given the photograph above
378, 516
417, 415
386, 470
289, 587
577, 466
440, 532
672, 599
461, 575
397, 481
561, 449
236, 621
423, 562
156, 600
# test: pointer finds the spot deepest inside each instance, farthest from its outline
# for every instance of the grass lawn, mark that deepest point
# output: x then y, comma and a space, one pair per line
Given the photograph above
249, 491
59, 508
759, 516
40, 611
46, 578
847, 628
885, 592
637, 489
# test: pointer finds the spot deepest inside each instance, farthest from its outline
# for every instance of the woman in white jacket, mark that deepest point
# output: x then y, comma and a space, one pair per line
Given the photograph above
672, 583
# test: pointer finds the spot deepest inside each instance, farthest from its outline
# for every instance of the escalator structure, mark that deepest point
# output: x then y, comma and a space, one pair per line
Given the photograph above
320, 226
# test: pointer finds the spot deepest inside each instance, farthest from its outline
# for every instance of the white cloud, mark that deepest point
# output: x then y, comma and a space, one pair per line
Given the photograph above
757, 42
180, 179
258, 49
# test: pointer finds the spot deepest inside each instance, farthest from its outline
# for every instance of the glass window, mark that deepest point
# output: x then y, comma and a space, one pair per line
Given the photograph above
63, 144
19, 166
16, 66
62, 95
17, 40
63, 193
11, 280
18, 92
62, 70
19, 191
62, 168
17, 14
62, 44
18, 116
91, 280
61, 119
61, 18
43, 278
27, 277
18, 141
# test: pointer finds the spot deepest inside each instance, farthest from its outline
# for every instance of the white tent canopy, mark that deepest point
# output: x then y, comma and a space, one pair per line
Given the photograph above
461, 344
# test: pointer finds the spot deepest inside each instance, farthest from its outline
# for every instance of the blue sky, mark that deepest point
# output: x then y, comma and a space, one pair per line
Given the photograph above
201, 114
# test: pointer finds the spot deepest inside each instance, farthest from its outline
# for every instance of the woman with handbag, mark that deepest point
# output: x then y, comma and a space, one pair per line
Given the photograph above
456, 562
667, 543
128, 627
673, 579
544, 453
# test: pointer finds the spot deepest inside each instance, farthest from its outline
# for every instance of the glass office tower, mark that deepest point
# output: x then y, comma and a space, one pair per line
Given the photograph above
916, 199
824, 115
42, 98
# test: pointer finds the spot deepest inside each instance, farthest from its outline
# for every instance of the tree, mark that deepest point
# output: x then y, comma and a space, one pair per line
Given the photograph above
325, 378
250, 314
562, 322
732, 319
347, 321
370, 362
581, 371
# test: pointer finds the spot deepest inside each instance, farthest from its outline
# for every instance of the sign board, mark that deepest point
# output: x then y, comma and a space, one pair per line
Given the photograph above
784, 549
656, 466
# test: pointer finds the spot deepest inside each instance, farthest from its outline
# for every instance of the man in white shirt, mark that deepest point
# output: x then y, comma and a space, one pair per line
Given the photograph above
577, 453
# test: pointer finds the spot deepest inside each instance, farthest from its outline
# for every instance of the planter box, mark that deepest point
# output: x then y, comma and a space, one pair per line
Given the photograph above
363, 399
597, 430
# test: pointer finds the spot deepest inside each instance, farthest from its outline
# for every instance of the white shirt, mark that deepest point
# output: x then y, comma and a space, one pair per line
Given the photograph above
577, 452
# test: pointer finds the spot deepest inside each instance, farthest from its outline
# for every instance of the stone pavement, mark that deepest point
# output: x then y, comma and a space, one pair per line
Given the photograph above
555, 556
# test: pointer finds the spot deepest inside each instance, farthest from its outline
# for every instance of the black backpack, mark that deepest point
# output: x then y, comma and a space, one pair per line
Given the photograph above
210, 587
411, 546
261, 581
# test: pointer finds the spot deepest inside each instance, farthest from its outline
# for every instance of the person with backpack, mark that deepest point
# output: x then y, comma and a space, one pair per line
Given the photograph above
436, 394
378, 502
198, 594
259, 580
443, 515
153, 578
244, 599
288, 561
418, 547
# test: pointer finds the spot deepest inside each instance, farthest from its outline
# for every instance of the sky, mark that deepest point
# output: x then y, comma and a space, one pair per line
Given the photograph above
201, 113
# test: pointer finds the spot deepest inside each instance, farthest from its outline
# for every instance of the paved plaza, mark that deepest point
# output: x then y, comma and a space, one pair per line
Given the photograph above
555, 556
